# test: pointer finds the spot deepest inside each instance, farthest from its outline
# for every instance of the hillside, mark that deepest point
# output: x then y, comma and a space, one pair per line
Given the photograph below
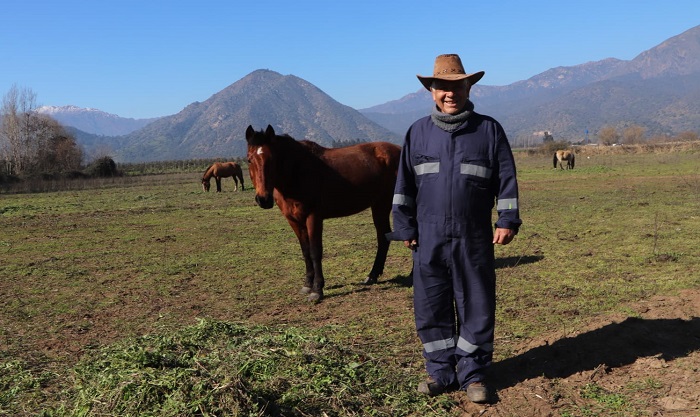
216, 127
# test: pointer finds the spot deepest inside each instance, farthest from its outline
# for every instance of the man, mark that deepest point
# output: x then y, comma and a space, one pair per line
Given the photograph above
454, 164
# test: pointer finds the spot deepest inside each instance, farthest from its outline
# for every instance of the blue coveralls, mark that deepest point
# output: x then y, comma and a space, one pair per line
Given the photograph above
444, 198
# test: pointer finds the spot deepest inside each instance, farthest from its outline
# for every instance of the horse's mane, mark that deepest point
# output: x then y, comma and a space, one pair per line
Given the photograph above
309, 145
260, 139
206, 171
312, 146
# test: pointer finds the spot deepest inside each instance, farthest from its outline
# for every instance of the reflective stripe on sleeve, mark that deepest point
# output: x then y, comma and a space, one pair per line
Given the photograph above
507, 204
476, 170
427, 168
403, 200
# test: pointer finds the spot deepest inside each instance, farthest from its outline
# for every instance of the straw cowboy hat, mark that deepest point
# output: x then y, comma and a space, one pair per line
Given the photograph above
449, 67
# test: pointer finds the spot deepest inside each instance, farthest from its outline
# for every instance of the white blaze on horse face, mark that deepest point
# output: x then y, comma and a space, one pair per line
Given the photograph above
259, 151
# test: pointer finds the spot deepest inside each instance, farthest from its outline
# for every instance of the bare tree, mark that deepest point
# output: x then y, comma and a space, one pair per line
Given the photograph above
687, 136
57, 151
634, 135
15, 128
608, 135
32, 143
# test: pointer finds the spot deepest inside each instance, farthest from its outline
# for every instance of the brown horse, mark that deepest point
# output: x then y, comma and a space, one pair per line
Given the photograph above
220, 170
561, 156
311, 183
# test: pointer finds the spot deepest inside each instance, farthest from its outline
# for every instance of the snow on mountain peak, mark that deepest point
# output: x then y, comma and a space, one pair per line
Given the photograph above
68, 109
93, 121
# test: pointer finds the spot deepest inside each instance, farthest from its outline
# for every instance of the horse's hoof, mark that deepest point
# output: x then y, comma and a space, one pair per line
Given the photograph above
305, 290
370, 281
314, 297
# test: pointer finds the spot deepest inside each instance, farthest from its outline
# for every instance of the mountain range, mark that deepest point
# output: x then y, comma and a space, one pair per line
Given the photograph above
659, 89
93, 121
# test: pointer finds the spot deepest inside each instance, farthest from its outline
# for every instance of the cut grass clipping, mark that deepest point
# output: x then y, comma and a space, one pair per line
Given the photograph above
218, 368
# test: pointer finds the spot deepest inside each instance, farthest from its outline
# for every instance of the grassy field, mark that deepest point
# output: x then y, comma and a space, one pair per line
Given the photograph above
147, 296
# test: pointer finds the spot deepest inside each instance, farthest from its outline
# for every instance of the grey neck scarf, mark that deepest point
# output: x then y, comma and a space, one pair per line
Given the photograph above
451, 122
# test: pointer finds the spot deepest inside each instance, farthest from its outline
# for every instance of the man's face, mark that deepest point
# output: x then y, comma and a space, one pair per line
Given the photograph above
450, 96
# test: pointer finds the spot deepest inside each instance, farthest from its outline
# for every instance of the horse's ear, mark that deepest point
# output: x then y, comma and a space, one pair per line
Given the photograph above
270, 132
249, 133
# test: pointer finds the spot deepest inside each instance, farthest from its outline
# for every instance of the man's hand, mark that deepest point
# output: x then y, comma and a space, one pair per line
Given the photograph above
503, 236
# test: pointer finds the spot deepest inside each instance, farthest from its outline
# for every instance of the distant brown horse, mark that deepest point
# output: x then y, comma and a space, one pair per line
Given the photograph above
311, 183
220, 170
561, 156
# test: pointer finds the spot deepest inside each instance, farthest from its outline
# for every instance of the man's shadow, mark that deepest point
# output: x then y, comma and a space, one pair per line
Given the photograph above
613, 345
513, 261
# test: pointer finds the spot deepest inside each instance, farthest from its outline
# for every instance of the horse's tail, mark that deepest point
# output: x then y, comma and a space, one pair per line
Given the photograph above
573, 160
554, 160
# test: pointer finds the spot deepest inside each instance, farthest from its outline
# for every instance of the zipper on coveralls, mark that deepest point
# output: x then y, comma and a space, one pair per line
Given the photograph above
449, 218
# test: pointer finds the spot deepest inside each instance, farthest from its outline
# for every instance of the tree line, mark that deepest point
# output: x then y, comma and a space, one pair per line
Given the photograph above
630, 135
636, 135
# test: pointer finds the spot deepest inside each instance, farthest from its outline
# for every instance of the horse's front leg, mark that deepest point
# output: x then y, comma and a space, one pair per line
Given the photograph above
314, 227
303, 237
218, 184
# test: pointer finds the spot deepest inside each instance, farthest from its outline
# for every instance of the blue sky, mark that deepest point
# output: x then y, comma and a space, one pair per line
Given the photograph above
150, 58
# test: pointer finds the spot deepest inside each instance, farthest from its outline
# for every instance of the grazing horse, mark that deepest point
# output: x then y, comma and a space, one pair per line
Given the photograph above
220, 170
561, 156
311, 183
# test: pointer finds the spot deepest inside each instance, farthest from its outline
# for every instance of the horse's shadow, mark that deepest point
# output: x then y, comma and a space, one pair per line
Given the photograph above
613, 345
406, 281
398, 281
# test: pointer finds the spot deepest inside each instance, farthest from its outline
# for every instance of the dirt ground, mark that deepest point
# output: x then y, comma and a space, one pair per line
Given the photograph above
653, 358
